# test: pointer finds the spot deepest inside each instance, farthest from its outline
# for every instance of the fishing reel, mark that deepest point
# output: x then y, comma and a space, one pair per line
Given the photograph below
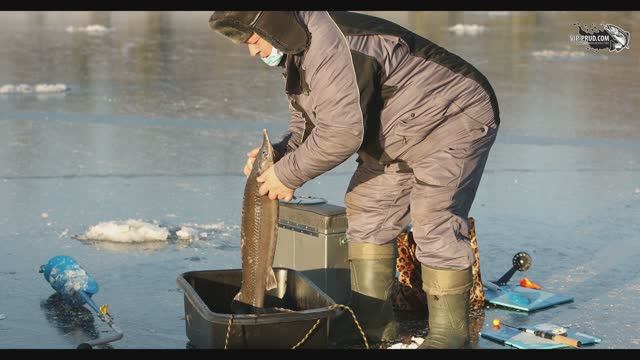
521, 262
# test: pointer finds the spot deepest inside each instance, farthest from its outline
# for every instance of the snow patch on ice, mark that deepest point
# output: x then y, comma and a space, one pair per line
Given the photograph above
94, 29
213, 226
37, 88
131, 231
565, 55
467, 29
187, 234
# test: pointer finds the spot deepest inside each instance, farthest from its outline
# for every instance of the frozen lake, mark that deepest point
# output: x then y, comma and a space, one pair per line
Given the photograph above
160, 112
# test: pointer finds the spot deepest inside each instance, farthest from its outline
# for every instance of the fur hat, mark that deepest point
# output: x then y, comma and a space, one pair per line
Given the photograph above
282, 29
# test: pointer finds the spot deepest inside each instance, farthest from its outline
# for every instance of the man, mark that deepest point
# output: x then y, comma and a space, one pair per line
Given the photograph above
422, 121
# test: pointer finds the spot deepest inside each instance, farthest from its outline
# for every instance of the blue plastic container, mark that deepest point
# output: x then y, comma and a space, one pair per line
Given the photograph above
69, 280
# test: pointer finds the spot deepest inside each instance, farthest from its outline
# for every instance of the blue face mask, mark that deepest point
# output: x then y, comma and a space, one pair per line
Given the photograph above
274, 58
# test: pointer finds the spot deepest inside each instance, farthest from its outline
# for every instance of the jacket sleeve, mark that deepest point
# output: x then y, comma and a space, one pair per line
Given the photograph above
293, 136
339, 128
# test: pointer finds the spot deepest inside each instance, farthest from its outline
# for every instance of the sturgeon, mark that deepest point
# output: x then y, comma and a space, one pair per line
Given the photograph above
258, 235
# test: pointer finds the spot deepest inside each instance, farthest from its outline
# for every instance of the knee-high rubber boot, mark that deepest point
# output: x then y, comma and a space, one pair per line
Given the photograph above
373, 269
448, 301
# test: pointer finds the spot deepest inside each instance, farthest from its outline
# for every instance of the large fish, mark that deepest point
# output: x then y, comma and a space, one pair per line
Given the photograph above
258, 235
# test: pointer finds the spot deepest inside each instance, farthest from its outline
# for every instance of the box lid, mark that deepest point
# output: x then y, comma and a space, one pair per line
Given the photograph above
317, 218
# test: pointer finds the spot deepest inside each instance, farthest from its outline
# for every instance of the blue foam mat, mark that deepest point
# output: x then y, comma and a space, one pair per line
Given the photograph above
525, 299
523, 340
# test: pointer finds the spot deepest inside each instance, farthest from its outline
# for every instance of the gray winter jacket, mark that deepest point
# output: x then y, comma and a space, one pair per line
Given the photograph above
365, 84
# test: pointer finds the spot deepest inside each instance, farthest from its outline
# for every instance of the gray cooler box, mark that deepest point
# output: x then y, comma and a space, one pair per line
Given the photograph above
312, 240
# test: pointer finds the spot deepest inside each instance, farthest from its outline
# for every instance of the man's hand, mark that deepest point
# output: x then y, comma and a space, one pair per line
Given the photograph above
271, 185
251, 158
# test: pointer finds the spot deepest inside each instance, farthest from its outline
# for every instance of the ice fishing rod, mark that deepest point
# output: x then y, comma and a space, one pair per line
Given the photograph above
543, 334
103, 314
521, 262
76, 287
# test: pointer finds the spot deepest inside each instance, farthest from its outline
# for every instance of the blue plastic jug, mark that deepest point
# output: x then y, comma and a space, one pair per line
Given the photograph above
68, 279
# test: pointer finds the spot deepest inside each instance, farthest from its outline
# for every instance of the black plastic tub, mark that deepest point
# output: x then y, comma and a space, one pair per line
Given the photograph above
207, 299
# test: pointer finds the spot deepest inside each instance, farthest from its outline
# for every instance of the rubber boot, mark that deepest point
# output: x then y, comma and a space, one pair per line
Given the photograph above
448, 302
373, 269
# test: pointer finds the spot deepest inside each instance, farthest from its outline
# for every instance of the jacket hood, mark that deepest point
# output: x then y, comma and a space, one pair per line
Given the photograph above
282, 29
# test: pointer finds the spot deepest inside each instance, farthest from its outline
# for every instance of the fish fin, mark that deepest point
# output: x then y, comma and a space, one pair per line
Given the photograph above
271, 280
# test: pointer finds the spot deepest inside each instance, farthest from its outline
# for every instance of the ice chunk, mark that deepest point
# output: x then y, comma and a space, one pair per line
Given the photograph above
89, 29
187, 234
126, 231
38, 88
51, 88
7, 89
467, 29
